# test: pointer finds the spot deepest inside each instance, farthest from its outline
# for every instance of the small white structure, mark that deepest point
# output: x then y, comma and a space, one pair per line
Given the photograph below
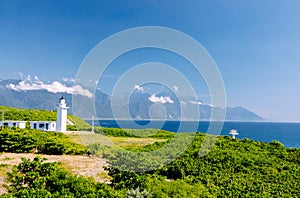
14, 123
60, 125
233, 133
43, 125
61, 119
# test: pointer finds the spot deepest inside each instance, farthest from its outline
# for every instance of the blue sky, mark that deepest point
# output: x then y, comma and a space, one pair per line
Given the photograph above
256, 44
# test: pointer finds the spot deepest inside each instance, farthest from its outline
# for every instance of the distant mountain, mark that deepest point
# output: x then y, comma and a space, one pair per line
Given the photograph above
36, 94
241, 114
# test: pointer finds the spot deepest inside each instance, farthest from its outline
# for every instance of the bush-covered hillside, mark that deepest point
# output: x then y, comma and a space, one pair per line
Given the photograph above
33, 141
37, 178
233, 168
27, 114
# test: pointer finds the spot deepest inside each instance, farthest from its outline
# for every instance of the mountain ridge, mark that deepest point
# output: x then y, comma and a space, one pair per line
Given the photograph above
35, 94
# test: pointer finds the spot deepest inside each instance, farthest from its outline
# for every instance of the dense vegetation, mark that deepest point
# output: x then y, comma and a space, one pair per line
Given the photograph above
118, 132
27, 114
233, 168
39, 179
28, 140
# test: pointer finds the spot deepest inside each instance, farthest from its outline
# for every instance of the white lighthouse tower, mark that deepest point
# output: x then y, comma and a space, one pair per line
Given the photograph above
61, 119
233, 133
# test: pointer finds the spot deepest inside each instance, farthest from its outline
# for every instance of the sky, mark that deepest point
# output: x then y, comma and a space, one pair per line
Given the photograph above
255, 44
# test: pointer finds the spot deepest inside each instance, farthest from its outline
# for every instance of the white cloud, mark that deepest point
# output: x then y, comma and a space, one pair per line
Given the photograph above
68, 79
36, 78
54, 87
161, 99
94, 81
195, 102
176, 88
21, 75
182, 102
138, 87
28, 78
78, 90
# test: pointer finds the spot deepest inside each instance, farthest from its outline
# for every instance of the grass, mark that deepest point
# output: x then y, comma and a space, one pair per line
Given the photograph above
79, 123
134, 142
87, 138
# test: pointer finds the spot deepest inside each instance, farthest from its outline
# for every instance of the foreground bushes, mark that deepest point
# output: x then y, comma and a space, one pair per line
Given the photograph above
233, 168
39, 179
28, 140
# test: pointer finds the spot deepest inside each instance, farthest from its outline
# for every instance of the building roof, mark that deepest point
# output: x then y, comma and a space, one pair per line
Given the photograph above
13, 121
42, 121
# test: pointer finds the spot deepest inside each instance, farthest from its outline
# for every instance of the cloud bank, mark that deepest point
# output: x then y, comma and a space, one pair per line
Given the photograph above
54, 87
68, 79
176, 88
195, 102
138, 87
161, 99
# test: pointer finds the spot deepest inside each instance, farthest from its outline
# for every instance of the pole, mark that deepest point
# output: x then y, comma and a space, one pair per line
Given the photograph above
2, 119
93, 124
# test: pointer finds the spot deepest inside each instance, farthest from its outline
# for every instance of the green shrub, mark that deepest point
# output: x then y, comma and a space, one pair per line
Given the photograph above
117, 132
29, 140
37, 178
134, 193
233, 168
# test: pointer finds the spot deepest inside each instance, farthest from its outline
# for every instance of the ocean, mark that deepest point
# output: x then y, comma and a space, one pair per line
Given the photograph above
286, 133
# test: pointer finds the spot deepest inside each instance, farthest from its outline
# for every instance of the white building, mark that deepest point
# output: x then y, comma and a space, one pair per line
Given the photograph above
43, 125
60, 125
12, 123
61, 118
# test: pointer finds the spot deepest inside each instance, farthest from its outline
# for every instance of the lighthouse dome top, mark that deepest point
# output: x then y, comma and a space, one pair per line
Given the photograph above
62, 100
62, 103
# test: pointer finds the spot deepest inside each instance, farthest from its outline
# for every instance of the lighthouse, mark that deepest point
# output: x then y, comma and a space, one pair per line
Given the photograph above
233, 133
61, 117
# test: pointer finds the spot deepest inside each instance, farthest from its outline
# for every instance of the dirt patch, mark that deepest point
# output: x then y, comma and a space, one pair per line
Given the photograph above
80, 165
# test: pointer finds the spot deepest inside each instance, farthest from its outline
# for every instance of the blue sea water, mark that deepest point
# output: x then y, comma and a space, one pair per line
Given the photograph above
286, 133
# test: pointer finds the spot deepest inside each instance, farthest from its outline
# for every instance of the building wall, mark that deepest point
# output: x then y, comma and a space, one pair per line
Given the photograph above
60, 125
22, 125
43, 125
19, 124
